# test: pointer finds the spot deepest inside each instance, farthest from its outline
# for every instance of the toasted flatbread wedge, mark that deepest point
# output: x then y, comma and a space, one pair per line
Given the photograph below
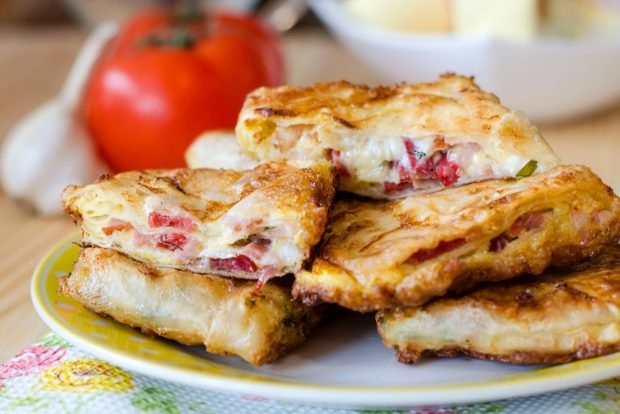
405, 252
218, 149
555, 318
227, 316
256, 224
390, 142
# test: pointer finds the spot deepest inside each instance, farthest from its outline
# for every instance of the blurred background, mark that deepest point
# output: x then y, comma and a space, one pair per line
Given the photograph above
61, 122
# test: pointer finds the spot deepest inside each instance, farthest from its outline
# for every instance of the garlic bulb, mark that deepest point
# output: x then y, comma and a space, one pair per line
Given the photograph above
50, 148
43, 154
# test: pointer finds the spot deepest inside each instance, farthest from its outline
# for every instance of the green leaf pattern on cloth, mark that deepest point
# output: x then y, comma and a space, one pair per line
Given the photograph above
155, 400
605, 401
52, 340
200, 407
36, 403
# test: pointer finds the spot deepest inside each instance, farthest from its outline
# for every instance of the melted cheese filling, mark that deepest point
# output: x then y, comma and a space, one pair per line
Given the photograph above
373, 161
269, 242
373, 165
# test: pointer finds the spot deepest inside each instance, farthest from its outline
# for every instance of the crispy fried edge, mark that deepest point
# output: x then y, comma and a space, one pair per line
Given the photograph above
305, 319
313, 293
266, 103
608, 261
588, 350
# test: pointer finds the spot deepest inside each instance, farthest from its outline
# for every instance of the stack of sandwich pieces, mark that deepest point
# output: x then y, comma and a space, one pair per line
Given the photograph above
432, 205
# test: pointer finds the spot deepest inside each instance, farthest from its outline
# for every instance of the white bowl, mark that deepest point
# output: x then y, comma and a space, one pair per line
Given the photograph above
548, 78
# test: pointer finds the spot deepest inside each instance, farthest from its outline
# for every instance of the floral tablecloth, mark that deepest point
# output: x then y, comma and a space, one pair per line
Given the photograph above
52, 376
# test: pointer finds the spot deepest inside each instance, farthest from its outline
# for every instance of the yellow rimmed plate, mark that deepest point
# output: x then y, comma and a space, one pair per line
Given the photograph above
343, 363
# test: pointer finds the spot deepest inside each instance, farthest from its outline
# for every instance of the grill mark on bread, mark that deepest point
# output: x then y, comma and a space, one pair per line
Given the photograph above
148, 271
268, 112
369, 244
574, 292
176, 183
344, 122
586, 350
525, 299
103, 177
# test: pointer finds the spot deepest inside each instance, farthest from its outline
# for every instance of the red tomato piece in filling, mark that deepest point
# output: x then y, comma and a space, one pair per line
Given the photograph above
339, 164
238, 263
446, 171
442, 247
172, 241
162, 220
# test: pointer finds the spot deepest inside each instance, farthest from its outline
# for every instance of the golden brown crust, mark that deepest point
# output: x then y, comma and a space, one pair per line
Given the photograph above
367, 127
222, 211
339, 100
582, 351
562, 316
227, 316
379, 255
218, 189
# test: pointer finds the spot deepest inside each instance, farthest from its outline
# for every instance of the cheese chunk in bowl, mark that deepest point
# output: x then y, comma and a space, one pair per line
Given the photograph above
391, 142
255, 224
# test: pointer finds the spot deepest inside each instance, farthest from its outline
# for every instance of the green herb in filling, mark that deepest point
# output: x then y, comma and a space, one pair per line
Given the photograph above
528, 169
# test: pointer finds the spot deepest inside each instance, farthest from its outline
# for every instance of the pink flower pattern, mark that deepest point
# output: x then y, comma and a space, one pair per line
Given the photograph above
250, 397
30, 360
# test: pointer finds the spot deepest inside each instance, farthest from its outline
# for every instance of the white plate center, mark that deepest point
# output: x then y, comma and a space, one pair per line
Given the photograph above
351, 340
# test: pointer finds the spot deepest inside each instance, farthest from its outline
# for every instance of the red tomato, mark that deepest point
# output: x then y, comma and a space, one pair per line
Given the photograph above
238, 63
269, 44
163, 83
149, 21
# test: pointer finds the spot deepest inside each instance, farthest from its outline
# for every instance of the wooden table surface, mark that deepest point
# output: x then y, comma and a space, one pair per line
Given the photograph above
33, 64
